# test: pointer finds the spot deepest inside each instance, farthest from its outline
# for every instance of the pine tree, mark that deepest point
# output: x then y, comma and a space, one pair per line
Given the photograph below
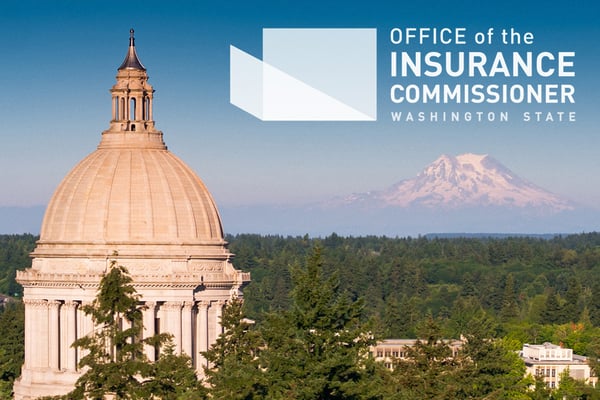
172, 378
463, 311
540, 390
571, 310
553, 311
235, 370
400, 317
575, 389
426, 371
594, 306
319, 348
115, 363
489, 369
510, 308
468, 287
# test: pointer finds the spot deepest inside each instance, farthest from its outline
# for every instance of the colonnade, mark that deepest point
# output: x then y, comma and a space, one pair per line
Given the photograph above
51, 326
138, 108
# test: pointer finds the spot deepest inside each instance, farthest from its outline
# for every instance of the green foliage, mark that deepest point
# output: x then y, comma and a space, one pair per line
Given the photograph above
12, 321
115, 357
524, 289
115, 362
540, 390
427, 371
571, 308
594, 306
517, 281
510, 308
318, 349
573, 389
14, 255
172, 377
491, 370
553, 312
236, 371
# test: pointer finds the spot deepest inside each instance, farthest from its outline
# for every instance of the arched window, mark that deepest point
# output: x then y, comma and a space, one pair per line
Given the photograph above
132, 109
116, 108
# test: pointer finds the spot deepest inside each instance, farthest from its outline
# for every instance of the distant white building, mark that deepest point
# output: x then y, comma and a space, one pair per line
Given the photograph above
549, 361
546, 360
389, 350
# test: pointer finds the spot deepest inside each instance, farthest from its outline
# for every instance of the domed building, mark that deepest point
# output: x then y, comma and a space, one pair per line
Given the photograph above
133, 202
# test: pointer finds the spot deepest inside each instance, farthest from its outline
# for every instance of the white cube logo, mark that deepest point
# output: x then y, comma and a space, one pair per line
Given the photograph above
308, 75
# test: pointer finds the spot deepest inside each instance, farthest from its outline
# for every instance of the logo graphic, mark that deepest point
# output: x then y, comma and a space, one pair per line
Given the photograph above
308, 75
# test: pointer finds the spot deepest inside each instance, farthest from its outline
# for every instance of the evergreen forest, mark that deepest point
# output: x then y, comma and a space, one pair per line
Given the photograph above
325, 300
535, 289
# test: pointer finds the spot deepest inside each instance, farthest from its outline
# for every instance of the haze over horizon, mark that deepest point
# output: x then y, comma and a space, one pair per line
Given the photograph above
467, 193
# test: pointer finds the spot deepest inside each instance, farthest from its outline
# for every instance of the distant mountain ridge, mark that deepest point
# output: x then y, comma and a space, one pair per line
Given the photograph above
467, 180
467, 193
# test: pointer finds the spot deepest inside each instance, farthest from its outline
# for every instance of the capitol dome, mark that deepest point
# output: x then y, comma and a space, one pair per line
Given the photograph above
131, 194
131, 203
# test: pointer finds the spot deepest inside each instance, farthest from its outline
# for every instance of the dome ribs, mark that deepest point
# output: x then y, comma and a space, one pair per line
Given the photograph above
142, 222
132, 195
118, 215
184, 208
163, 213
94, 199
203, 201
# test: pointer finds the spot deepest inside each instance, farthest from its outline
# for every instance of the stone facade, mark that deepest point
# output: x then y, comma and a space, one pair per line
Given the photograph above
134, 202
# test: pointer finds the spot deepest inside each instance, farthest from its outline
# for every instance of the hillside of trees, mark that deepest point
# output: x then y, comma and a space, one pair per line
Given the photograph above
14, 255
515, 290
526, 284
535, 289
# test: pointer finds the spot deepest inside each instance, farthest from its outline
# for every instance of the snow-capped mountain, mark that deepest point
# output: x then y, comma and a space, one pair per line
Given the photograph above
467, 180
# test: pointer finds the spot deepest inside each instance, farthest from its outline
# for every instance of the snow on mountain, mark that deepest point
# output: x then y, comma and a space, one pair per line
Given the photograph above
467, 180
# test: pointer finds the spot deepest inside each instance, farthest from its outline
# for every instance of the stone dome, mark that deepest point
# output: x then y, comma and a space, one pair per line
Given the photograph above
131, 195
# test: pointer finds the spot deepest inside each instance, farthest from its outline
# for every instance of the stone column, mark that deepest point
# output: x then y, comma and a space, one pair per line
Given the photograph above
38, 338
173, 323
30, 319
54, 335
39, 335
85, 326
139, 106
70, 331
186, 328
64, 344
149, 319
218, 311
201, 334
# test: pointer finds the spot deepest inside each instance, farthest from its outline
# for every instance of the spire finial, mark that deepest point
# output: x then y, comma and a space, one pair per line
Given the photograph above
131, 59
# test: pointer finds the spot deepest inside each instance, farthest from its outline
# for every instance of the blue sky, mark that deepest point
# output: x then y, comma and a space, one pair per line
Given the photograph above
59, 60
